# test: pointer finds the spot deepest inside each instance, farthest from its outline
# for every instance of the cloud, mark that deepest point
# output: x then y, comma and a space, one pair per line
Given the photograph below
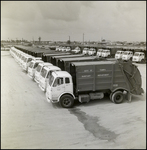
18, 10
59, 19
87, 3
65, 10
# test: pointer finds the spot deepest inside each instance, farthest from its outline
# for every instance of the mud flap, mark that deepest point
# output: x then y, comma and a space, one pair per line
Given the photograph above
128, 97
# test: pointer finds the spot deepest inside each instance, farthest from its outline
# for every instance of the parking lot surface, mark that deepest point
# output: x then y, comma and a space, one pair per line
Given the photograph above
28, 121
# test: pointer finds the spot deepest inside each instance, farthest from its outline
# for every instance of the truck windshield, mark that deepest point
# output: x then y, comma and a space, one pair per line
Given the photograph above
51, 79
43, 72
38, 68
136, 54
77, 48
125, 53
29, 59
117, 52
31, 64
91, 50
99, 50
25, 59
35, 65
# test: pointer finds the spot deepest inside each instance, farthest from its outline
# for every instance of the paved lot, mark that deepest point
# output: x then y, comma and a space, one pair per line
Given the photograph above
29, 121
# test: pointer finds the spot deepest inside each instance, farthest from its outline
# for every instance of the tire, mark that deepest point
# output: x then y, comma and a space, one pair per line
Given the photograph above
142, 61
66, 101
117, 97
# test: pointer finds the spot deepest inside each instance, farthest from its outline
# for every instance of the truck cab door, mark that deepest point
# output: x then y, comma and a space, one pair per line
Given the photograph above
58, 88
68, 85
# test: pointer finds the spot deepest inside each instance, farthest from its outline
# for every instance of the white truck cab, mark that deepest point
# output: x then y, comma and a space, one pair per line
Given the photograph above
68, 49
22, 59
127, 55
57, 48
60, 48
19, 57
32, 66
60, 84
92, 51
76, 50
63, 49
99, 52
26, 62
105, 53
85, 51
118, 54
38, 70
139, 57
45, 75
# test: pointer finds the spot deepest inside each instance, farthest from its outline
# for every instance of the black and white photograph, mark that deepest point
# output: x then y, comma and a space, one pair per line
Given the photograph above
73, 74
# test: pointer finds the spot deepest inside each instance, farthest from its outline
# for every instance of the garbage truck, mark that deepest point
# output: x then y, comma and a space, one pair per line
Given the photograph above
92, 80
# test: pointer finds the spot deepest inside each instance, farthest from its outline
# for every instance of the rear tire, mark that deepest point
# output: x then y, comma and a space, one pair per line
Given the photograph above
117, 97
66, 101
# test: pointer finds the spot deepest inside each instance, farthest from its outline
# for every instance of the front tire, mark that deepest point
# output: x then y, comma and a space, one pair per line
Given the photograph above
117, 97
66, 101
142, 61
131, 58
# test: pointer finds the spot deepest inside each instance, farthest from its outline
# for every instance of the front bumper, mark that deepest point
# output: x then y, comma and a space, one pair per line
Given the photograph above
36, 79
30, 75
42, 88
50, 100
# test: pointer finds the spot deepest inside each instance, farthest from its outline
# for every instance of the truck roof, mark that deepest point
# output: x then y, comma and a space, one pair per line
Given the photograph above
45, 63
77, 58
61, 74
120, 51
56, 54
67, 56
128, 51
39, 61
140, 52
92, 63
52, 68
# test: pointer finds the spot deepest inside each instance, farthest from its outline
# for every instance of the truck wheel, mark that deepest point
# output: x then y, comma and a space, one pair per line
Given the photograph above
66, 101
117, 97
142, 61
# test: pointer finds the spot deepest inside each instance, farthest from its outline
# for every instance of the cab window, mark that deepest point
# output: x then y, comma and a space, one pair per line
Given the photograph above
67, 80
36, 64
58, 81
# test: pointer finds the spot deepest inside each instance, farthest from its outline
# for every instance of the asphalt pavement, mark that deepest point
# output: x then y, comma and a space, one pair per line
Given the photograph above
28, 121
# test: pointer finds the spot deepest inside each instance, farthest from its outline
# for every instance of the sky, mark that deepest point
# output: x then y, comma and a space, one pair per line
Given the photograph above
64, 20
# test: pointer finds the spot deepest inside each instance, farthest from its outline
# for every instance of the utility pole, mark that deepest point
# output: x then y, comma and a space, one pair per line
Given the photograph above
33, 40
39, 39
83, 38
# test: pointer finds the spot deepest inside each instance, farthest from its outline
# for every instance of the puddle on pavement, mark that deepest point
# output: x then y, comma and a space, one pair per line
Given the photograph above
91, 124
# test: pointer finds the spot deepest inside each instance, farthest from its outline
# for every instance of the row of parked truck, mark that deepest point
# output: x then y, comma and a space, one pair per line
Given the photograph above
137, 56
66, 78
